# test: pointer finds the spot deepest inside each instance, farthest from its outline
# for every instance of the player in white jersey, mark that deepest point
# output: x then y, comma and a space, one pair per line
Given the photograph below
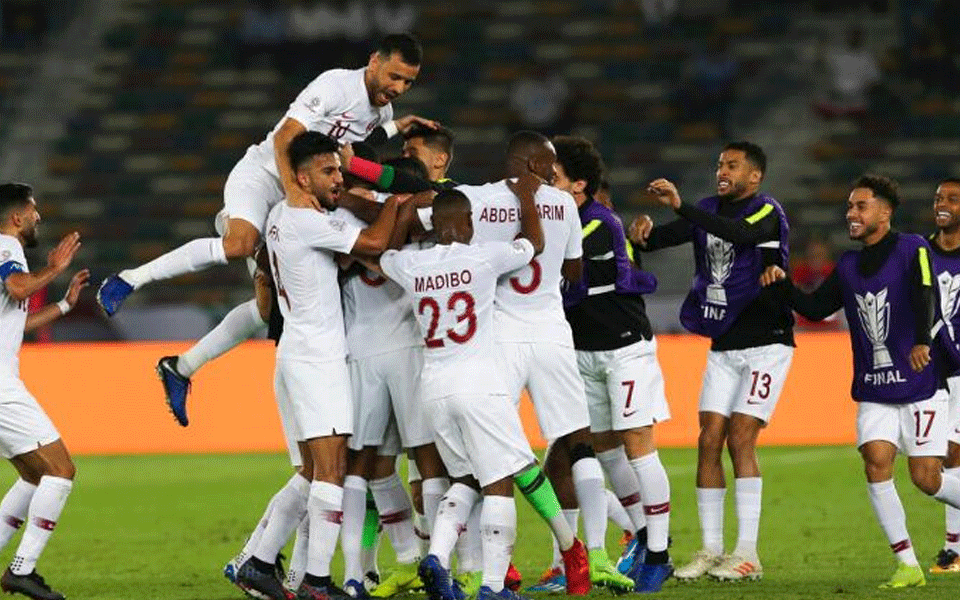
476, 428
311, 379
533, 337
28, 438
344, 104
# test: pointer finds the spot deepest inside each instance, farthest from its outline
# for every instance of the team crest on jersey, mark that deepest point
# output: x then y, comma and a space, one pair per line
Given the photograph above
720, 257
337, 225
274, 233
874, 313
949, 296
5, 256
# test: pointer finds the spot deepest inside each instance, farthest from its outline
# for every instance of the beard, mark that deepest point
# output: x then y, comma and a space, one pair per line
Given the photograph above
737, 189
30, 238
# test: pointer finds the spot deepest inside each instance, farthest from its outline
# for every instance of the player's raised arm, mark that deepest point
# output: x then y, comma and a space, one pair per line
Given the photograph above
816, 305
373, 240
645, 237
52, 312
295, 193
525, 189
21, 285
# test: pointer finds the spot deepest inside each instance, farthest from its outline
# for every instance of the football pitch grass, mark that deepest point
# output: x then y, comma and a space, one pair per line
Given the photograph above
162, 527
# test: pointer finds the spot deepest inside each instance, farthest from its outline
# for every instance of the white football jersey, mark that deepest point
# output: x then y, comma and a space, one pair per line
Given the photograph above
13, 313
302, 243
529, 304
336, 104
377, 312
452, 288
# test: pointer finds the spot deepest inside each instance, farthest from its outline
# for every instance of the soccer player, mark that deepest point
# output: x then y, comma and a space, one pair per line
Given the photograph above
312, 381
343, 104
533, 337
617, 357
477, 430
886, 290
735, 235
28, 438
433, 146
945, 247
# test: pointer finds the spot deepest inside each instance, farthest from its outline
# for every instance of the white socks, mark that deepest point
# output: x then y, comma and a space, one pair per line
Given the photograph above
298, 559
326, 515
710, 509
289, 507
572, 515
748, 492
432, 490
396, 515
13, 509
886, 504
254, 540
189, 258
949, 492
952, 517
470, 544
452, 516
498, 523
624, 483
589, 488
42, 516
351, 534
617, 514
240, 324
655, 491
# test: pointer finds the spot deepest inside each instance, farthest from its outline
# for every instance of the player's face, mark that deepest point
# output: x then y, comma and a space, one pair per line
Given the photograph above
391, 77
562, 182
321, 177
865, 213
544, 163
431, 158
946, 206
28, 224
736, 176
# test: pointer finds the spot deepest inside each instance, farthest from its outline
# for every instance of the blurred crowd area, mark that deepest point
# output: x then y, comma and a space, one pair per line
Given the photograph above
134, 151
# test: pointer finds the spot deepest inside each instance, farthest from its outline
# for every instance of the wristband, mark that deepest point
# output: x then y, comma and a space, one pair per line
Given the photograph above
391, 129
64, 306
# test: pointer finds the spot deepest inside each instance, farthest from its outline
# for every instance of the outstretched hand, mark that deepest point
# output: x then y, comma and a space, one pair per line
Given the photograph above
80, 280
665, 191
772, 274
640, 229
60, 257
404, 124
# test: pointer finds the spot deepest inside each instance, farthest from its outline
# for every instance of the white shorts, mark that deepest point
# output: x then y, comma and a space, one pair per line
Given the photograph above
249, 193
391, 445
387, 385
953, 425
745, 381
287, 421
24, 426
549, 372
479, 435
316, 398
624, 387
916, 429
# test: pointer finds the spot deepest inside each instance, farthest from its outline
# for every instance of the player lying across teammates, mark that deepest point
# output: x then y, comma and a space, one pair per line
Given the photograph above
490, 283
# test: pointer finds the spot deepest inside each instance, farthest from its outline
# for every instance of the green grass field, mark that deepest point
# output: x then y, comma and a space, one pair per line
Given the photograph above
161, 527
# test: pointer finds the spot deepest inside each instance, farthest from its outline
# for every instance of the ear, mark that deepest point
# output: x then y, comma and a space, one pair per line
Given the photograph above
302, 179
442, 159
374, 61
579, 185
756, 176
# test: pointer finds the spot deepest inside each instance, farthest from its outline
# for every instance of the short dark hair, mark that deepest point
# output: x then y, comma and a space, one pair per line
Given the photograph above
882, 187
404, 44
580, 161
410, 166
308, 144
440, 138
365, 151
753, 152
953, 180
522, 142
13, 196
452, 199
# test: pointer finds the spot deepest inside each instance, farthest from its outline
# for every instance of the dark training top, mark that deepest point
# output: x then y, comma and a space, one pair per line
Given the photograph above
732, 243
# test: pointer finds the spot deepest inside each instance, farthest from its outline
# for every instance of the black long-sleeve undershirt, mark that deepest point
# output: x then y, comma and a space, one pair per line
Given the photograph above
826, 299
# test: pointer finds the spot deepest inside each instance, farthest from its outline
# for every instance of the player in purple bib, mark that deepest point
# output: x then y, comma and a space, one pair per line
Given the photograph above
945, 251
735, 235
886, 290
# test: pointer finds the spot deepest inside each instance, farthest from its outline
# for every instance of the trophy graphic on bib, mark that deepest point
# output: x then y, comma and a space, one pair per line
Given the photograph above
949, 296
874, 313
720, 261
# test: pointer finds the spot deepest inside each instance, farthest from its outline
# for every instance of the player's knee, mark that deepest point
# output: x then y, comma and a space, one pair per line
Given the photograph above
741, 444
927, 478
710, 441
63, 468
580, 451
877, 471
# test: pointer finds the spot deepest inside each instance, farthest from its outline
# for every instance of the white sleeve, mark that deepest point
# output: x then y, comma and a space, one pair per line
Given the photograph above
12, 259
575, 236
509, 256
323, 231
316, 101
393, 263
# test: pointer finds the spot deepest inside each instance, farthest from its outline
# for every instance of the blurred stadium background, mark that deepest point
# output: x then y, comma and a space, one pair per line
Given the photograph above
127, 115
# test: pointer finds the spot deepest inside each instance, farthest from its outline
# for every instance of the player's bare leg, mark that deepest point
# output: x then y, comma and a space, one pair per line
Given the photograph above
53, 471
743, 562
711, 490
948, 559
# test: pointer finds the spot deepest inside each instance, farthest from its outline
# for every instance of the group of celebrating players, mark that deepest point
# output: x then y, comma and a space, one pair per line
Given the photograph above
410, 313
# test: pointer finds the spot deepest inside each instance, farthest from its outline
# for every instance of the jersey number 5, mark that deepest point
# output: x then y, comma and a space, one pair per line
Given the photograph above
464, 304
